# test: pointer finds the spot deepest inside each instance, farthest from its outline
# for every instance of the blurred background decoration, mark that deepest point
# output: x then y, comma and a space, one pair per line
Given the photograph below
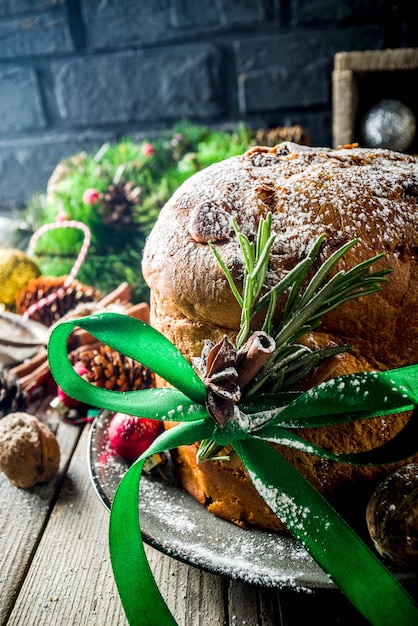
375, 103
77, 74
388, 124
118, 191
107, 107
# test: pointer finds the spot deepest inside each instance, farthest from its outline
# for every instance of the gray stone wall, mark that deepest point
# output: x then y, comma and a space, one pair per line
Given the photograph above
76, 73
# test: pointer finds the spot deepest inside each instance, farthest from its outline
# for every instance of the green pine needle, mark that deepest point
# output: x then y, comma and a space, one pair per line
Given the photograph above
305, 307
177, 155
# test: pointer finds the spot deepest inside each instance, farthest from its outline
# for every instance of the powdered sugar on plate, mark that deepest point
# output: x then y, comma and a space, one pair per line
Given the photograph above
176, 524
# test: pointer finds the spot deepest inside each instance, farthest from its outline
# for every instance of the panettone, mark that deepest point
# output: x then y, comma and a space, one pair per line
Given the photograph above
344, 194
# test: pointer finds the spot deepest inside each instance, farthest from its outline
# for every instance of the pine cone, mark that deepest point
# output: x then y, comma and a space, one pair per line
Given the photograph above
12, 397
42, 287
274, 136
118, 203
109, 369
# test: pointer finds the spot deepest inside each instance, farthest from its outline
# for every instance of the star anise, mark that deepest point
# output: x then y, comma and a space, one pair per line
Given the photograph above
220, 378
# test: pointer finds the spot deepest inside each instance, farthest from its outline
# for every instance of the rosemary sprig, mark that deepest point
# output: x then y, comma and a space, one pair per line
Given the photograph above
305, 305
256, 258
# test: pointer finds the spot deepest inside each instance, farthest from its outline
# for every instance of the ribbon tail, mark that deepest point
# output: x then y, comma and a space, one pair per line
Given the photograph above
138, 591
141, 599
400, 447
331, 542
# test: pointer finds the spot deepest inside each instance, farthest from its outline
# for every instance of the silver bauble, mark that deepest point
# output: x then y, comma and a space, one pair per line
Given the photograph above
389, 124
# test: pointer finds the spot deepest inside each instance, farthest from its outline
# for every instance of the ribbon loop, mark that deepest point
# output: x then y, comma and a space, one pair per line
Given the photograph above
352, 397
132, 338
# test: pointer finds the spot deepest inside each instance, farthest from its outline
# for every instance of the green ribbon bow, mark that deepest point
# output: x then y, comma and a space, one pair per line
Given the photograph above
306, 513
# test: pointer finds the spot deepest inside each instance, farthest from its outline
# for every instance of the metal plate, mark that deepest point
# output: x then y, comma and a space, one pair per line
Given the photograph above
176, 524
20, 338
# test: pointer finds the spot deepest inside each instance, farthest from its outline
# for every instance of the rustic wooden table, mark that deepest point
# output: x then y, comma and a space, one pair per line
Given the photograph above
55, 567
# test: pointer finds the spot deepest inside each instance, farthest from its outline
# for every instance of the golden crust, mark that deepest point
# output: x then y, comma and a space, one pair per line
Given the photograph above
344, 194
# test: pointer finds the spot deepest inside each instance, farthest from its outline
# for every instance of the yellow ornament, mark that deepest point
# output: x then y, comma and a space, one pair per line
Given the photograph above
16, 270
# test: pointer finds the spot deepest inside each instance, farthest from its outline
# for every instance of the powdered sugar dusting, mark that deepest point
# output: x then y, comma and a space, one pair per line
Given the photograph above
310, 187
188, 530
175, 523
279, 500
345, 194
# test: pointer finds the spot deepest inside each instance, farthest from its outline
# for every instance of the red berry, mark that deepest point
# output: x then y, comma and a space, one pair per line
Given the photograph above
91, 196
130, 436
147, 149
71, 403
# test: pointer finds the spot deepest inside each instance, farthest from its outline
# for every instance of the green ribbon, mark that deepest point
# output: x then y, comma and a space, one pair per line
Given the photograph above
306, 513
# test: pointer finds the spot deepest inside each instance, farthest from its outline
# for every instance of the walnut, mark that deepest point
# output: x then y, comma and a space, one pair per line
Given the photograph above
210, 222
392, 517
29, 450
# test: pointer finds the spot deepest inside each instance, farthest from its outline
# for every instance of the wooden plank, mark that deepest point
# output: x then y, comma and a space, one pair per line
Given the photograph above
377, 60
242, 604
24, 513
70, 580
195, 598
249, 604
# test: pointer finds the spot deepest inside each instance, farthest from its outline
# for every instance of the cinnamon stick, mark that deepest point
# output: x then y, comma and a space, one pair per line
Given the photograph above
252, 356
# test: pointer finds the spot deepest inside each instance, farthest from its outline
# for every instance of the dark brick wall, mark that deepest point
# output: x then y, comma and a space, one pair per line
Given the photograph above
76, 73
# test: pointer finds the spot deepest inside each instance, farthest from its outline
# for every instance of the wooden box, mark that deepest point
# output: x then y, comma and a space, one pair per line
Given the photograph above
361, 80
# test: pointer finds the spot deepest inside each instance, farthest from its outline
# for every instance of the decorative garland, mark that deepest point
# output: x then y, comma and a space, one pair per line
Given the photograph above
118, 191
308, 516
